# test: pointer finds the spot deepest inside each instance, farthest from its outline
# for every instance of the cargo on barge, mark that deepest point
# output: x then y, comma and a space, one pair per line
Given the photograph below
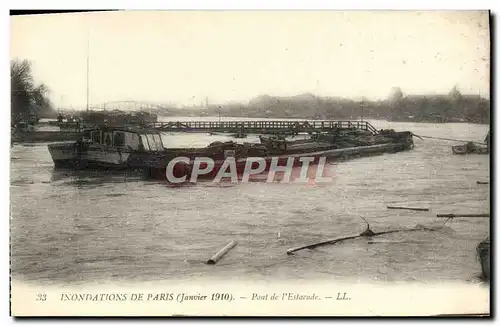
126, 148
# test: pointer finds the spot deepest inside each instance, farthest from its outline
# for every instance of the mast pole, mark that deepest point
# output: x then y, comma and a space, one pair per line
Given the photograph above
88, 55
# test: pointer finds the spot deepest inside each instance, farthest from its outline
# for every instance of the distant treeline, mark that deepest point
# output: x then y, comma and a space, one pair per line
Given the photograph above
453, 107
29, 102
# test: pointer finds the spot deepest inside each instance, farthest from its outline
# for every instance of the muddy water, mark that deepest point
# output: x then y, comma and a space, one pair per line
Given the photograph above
88, 227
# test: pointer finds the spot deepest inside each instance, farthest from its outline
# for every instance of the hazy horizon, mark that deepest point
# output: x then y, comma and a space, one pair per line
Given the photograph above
184, 57
113, 104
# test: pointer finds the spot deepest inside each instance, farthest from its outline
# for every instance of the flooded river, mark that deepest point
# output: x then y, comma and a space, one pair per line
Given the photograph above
89, 227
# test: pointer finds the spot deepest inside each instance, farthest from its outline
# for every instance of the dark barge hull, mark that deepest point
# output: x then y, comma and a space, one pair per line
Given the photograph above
86, 154
71, 155
331, 155
484, 254
154, 165
464, 150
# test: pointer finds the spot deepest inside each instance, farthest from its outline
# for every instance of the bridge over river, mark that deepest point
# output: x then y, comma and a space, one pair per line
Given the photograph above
259, 126
72, 130
262, 126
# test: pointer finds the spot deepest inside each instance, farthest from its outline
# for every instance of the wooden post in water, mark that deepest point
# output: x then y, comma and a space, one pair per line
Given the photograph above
215, 258
410, 208
462, 215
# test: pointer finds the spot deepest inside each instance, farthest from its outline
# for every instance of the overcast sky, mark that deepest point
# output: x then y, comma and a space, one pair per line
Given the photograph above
183, 57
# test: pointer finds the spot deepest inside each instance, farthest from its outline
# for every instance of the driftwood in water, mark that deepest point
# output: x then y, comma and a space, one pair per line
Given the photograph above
483, 182
462, 215
215, 258
366, 233
409, 208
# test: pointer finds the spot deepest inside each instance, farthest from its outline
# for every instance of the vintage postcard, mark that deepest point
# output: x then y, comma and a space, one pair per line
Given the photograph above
250, 163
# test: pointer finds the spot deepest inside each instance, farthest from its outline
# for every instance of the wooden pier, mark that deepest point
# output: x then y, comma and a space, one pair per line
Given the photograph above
263, 126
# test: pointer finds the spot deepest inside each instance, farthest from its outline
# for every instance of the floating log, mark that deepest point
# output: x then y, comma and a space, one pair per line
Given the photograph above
366, 233
409, 208
215, 258
462, 215
483, 182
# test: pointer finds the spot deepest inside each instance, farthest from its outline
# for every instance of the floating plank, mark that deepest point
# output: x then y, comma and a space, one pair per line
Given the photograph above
215, 258
483, 182
409, 208
367, 233
312, 246
462, 215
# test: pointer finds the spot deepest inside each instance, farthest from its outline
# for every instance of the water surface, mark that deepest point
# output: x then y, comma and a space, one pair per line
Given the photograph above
88, 227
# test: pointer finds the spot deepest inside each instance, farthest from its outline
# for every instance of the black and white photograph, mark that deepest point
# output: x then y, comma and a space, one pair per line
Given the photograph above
250, 163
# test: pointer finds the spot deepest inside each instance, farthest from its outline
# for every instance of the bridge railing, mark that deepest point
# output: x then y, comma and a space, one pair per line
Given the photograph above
267, 125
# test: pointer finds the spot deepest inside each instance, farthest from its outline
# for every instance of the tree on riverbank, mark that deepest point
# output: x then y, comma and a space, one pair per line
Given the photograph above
28, 100
398, 106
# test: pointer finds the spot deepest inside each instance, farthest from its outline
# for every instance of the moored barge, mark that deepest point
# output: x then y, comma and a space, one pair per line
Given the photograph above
484, 255
126, 148
110, 148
